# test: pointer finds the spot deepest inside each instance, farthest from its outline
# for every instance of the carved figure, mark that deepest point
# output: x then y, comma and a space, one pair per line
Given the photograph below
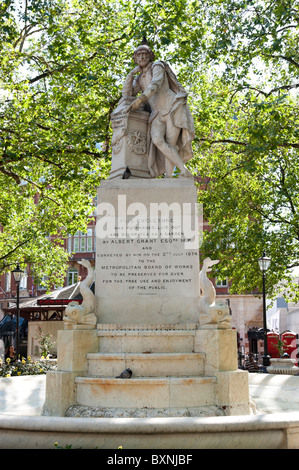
83, 314
171, 126
211, 312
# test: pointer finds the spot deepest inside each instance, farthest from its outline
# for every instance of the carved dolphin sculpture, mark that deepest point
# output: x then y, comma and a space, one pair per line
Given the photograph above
83, 314
211, 312
207, 290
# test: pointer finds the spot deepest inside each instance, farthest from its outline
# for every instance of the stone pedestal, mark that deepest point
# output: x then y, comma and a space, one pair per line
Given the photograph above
72, 349
147, 260
232, 389
283, 366
129, 141
147, 296
220, 349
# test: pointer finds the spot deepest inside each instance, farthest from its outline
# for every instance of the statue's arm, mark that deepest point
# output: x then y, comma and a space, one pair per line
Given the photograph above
131, 87
156, 82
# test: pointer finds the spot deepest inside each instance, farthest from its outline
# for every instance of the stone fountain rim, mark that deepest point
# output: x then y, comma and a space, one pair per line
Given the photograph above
151, 425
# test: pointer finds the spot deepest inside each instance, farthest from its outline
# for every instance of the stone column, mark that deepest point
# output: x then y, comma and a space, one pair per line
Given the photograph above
73, 345
220, 347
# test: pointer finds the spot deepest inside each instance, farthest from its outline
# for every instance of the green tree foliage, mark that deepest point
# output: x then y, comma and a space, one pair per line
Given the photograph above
62, 65
246, 109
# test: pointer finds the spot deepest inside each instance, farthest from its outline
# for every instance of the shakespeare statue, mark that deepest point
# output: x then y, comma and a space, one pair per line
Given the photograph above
170, 125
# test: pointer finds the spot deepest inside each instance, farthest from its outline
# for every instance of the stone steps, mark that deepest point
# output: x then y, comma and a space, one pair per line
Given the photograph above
146, 364
167, 373
177, 371
146, 340
145, 392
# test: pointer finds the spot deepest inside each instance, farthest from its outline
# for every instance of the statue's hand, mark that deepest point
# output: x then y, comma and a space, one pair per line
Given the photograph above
137, 103
136, 70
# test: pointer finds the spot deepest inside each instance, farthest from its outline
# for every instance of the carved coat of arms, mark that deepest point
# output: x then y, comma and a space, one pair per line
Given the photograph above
137, 142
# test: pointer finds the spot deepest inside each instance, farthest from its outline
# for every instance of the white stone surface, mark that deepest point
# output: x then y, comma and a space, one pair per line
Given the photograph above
146, 341
146, 364
23, 395
143, 277
22, 398
274, 393
280, 431
217, 345
153, 392
129, 141
283, 366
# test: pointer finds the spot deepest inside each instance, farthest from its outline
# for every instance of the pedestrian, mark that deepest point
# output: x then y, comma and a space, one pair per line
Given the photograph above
251, 365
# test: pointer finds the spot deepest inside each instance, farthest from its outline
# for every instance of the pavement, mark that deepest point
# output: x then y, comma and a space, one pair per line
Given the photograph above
23, 395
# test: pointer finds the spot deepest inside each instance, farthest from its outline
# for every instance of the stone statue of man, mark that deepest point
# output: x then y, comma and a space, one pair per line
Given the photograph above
171, 126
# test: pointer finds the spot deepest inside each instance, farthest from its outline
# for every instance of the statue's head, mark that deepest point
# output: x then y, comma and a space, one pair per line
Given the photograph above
144, 47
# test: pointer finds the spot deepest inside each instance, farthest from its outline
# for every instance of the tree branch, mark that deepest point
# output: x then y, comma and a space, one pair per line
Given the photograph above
264, 93
16, 248
224, 141
288, 59
244, 144
10, 174
47, 73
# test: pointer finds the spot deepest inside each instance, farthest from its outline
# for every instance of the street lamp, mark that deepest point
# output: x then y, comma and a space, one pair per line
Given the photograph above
17, 274
264, 264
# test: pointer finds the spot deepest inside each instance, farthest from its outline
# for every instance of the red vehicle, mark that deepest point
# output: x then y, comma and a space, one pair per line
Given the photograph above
272, 340
290, 340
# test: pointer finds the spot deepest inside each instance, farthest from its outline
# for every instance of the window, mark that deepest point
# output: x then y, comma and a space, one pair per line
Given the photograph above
81, 242
23, 282
40, 285
7, 282
76, 245
69, 244
72, 276
221, 283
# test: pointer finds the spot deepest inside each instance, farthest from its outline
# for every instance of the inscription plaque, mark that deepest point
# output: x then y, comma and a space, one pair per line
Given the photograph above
147, 259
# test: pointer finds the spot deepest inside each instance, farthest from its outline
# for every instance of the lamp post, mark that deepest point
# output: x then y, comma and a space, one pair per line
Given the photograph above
264, 264
17, 274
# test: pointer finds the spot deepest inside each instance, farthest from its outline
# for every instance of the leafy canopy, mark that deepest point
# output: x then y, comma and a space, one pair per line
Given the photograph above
247, 141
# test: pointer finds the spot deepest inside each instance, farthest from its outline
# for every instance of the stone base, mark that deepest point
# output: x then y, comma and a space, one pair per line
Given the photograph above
283, 366
232, 392
176, 372
146, 392
220, 347
147, 270
60, 393
72, 348
78, 411
232, 389
278, 431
